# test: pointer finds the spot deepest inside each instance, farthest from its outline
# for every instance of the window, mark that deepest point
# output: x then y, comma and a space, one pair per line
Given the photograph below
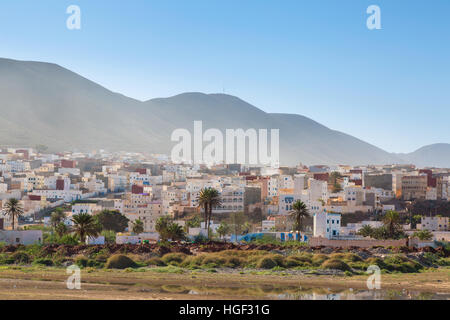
17, 240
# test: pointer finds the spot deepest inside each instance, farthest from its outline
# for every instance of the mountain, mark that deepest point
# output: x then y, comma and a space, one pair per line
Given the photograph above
43, 103
434, 155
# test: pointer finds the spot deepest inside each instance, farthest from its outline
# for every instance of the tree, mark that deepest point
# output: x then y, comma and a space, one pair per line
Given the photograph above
57, 217
423, 235
86, 225
247, 228
366, 231
176, 232
61, 229
223, 230
169, 230
208, 199
392, 223
14, 209
193, 223
138, 227
300, 211
112, 220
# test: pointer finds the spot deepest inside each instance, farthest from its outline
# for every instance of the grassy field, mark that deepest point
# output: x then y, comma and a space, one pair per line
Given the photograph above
32, 282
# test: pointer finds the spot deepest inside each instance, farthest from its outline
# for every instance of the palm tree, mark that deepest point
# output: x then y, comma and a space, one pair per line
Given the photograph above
392, 222
203, 203
85, 225
61, 229
208, 199
14, 209
223, 230
138, 227
300, 211
366, 231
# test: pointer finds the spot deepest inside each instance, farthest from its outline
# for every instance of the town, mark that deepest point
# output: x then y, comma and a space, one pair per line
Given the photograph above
137, 194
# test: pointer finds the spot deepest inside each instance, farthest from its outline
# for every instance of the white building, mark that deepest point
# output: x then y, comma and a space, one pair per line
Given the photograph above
327, 224
434, 224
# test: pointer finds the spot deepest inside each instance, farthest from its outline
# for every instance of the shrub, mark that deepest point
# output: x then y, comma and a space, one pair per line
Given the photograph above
298, 261
174, 258
43, 261
194, 261
6, 259
21, 258
279, 259
155, 261
213, 260
336, 265
234, 262
318, 259
444, 262
266, 263
82, 262
376, 261
351, 257
68, 239
120, 261
401, 264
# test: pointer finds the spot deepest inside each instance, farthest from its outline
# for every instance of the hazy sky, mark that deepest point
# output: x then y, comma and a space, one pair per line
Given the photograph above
389, 87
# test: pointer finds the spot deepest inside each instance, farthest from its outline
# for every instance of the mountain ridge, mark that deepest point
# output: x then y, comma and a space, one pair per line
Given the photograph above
44, 103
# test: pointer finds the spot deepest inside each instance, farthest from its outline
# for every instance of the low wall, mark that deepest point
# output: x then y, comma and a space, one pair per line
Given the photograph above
362, 243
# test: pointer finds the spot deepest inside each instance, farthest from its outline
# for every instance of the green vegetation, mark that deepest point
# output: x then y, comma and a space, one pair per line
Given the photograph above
298, 214
391, 229
138, 227
169, 230
292, 258
423, 235
120, 261
13, 209
86, 225
208, 199
112, 220
335, 264
223, 230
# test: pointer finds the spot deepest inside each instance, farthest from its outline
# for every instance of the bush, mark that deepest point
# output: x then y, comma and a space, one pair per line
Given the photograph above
336, 265
401, 264
43, 262
21, 258
234, 262
377, 262
174, 258
351, 257
68, 239
82, 262
318, 259
120, 261
213, 260
155, 261
298, 261
266, 263
444, 262
6, 259
193, 261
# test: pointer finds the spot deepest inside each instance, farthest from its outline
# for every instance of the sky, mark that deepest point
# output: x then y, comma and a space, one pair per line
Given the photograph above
389, 87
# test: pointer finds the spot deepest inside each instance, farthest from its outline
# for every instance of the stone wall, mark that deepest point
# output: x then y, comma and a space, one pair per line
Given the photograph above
362, 243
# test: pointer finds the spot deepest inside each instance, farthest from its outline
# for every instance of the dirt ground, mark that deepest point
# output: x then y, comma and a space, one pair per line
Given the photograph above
50, 284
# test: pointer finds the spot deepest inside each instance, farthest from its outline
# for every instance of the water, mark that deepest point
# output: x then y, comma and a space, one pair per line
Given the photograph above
295, 293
